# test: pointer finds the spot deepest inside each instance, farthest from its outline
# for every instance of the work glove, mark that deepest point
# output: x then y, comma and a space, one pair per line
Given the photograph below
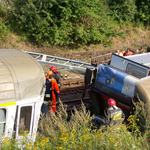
50, 103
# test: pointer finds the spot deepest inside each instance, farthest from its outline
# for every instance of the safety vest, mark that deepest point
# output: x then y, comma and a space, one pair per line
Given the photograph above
115, 113
120, 54
48, 93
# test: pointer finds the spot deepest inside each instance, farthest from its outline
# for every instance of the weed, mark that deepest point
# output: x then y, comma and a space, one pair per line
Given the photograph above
56, 132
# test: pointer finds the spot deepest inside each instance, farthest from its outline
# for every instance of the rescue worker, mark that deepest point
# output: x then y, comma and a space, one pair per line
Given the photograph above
121, 53
148, 49
54, 92
128, 52
117, 52
57, 75
114, 113
47, 97
48, 73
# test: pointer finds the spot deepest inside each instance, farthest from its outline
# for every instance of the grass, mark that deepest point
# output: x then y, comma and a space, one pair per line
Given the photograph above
56, 132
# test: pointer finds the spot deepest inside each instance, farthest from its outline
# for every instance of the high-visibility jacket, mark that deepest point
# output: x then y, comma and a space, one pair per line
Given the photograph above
115, 114
48, 85
54, 91
120, 54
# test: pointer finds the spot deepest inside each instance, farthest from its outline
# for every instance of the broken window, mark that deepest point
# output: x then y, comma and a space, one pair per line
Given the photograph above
2, 120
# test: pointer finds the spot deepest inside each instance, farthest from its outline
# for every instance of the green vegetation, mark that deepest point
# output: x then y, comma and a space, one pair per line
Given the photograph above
65, 22
56, 132
122, 10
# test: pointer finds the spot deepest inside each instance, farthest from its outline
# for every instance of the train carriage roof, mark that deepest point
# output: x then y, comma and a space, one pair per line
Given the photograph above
143, 59
21, 77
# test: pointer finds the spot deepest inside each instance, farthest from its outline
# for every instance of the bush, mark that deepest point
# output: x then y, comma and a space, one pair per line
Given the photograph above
143, 11
64, 22
4, 29
122, 10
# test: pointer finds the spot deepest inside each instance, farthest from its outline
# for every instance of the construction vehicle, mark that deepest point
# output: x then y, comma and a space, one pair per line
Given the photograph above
22, 91
123, 79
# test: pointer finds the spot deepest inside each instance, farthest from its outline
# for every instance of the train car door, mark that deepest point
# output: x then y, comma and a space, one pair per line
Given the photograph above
24, 120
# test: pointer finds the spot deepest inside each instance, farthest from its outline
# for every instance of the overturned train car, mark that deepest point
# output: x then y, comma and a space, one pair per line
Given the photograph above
21, 93
111, 82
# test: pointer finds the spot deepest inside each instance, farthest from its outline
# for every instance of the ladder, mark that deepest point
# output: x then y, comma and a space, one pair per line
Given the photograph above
60, 62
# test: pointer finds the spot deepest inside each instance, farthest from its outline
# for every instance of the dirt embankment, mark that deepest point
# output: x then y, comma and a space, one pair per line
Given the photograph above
134, 37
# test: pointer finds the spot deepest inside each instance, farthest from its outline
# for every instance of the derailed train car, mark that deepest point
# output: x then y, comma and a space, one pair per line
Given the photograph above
21, 93
123, 79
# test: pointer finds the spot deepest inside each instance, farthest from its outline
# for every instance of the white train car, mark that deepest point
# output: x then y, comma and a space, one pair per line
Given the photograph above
21, 93
137, 65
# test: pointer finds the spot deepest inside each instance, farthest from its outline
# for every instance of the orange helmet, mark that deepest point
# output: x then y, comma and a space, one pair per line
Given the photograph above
49, 73
111, 102
53, 68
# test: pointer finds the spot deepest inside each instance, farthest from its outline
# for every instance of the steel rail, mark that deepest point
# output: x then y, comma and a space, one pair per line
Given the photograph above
61, 62
75, 100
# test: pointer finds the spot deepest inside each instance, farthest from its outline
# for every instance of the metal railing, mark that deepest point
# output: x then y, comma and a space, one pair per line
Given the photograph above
61, 62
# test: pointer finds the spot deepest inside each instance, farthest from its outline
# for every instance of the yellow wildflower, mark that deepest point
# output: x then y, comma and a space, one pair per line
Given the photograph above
60, 128
65, 130
59, 147
66, 134
28, 146
44, 141
86, 130
85, 136
42, 144
73, 131
7, 140
91, 118
63, 139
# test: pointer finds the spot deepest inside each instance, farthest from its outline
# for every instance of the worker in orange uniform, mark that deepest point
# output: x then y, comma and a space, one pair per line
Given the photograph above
128, 52
121, 53
114, 113
47, 97
54, 91
57, 74
48, 73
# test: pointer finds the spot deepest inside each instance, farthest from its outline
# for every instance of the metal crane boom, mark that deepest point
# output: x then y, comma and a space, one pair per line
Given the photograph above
61, 62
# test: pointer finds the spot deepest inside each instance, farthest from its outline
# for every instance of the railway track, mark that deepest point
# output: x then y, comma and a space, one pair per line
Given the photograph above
76, 103
85, 54
72, 82
71, 93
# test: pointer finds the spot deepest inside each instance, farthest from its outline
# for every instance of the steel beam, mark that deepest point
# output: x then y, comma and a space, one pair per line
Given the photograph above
61, 62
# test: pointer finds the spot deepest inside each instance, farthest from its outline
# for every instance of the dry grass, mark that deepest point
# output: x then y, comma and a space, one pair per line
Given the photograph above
134, 38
